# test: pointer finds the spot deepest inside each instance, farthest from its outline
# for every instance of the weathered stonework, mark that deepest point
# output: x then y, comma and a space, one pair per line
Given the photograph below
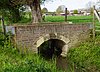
31, 37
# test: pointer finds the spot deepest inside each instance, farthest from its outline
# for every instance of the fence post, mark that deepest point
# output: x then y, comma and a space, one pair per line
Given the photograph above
93, 24
3, 26
65, 14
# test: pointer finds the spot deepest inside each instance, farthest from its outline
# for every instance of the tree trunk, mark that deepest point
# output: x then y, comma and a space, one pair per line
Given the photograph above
36, 11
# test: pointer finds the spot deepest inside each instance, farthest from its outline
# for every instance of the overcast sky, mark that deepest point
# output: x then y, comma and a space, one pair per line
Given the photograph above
70, 4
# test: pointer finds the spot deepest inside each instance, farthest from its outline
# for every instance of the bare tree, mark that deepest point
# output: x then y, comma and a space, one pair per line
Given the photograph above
89, 5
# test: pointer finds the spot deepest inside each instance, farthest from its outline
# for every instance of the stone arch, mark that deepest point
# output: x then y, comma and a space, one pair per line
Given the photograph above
47, 37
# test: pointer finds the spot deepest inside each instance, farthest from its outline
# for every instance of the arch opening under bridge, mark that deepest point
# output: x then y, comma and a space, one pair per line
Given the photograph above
52, 46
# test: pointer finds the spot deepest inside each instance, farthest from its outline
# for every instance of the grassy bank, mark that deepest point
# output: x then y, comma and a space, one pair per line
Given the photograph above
83, 58
86, 57
12, 60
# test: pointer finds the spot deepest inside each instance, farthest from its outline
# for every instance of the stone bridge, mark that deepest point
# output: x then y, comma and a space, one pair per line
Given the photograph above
30, 37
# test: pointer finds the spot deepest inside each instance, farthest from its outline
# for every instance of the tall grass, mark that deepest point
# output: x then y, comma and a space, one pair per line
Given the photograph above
86, 57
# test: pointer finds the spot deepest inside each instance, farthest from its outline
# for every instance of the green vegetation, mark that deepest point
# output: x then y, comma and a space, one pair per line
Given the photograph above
12, 60
75, 11
26, 18
73, 19
44, 10
84, 58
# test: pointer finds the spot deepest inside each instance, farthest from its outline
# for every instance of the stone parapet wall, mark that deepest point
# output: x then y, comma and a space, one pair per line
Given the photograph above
28, 36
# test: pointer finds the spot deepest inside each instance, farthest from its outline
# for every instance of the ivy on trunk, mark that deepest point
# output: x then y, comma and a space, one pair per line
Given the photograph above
36, 11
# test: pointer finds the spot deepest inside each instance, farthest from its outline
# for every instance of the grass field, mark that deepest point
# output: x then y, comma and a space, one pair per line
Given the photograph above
73, 19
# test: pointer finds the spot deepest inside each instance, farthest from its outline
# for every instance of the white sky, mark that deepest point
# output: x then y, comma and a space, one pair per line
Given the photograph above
70, 4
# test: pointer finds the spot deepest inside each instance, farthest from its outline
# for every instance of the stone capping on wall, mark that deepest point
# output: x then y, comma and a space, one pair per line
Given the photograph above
54, 23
